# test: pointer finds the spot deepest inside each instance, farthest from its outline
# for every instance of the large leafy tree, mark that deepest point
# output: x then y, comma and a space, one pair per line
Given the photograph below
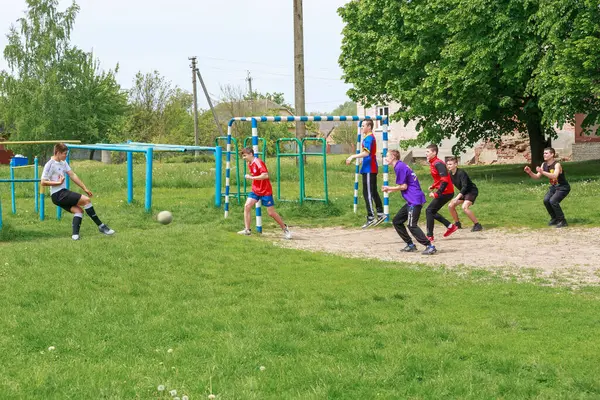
53, 89
474, 69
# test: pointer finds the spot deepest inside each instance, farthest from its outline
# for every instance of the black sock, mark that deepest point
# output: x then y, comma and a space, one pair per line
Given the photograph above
90, 211
77, 218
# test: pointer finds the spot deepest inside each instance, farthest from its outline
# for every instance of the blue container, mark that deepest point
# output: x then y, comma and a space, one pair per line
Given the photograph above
20, 161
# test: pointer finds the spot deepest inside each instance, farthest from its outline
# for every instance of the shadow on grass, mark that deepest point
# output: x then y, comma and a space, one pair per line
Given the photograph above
10, 234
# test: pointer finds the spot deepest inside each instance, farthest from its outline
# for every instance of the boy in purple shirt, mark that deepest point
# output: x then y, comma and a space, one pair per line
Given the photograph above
408, 184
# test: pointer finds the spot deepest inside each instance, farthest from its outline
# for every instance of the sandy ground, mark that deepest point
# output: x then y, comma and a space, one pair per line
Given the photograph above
568, 256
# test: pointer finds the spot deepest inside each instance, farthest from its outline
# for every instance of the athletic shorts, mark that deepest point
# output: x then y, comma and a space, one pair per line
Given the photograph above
471, 196
267, 201
66, 199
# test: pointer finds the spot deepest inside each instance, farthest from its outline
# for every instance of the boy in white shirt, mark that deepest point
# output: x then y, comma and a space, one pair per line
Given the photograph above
54, 176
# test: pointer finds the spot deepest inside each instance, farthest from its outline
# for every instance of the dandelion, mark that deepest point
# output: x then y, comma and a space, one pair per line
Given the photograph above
173, 392
170, 351
212, 396
184, 397
161, 388
262, 368
51, 348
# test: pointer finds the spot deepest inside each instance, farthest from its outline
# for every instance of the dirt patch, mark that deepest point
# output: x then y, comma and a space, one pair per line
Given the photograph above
558, 256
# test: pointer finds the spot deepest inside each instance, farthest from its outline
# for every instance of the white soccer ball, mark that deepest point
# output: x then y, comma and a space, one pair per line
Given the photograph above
164, 217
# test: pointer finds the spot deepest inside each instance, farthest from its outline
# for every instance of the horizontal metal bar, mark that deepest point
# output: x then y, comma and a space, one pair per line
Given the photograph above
19, 180
24, 166
115, 148
39, 141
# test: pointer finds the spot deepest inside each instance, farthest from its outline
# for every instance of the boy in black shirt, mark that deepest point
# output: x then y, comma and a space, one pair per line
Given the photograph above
467, 195
559, 187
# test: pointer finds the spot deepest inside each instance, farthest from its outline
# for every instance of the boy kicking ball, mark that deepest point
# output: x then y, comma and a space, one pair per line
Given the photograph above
73, 202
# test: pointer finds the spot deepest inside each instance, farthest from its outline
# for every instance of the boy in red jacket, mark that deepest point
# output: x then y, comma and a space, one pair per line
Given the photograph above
444, 192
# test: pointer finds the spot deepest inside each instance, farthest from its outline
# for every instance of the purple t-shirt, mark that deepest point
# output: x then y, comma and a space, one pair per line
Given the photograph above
413, 195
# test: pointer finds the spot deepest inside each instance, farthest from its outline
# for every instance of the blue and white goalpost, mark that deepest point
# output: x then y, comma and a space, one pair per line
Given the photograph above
315, 118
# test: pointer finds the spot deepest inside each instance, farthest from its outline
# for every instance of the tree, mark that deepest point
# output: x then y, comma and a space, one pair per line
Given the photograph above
473, 69
347, 108
345, 133
53, 89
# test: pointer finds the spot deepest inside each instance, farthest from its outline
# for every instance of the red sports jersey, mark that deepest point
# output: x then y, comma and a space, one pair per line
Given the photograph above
441, 177
260, 187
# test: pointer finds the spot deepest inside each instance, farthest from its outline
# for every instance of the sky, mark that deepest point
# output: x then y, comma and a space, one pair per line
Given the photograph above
229, 37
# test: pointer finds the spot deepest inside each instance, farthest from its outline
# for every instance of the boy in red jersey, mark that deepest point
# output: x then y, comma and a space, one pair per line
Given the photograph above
444, 193
261, 191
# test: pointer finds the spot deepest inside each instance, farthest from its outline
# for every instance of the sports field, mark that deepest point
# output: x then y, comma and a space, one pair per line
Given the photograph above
508, 313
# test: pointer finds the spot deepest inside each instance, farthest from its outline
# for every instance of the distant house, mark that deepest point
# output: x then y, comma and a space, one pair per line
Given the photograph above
571, 143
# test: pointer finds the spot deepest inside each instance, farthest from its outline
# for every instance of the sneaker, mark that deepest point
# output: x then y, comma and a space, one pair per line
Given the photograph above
553, 221
106, 230
75, 237
286, 233
458, 224
453, 228
246, 232
409, 248
429, 250
368, 223
380, 219
562, 223
430, 238
477, 228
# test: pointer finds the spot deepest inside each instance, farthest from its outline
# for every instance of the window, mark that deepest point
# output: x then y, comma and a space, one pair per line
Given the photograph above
382, 110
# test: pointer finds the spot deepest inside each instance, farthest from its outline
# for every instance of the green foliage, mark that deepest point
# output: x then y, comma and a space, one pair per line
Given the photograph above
345, 133
348, 108
159, 111
473, 69
55, 90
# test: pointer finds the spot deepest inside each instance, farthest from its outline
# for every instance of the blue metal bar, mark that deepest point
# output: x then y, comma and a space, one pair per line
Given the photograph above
19, 180
107, 148
149, 154
36, 186
129, 177
42, 208
12, 186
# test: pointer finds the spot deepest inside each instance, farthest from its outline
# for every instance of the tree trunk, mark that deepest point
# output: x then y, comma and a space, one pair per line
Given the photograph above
537, 140
92, 154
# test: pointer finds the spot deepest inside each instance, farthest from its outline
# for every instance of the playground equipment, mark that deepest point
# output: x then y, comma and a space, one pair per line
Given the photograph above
300, 155
148, 149
39, 198
239, 194
316, 118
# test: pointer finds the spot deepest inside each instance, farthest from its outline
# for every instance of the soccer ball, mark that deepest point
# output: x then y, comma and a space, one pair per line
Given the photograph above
164, 217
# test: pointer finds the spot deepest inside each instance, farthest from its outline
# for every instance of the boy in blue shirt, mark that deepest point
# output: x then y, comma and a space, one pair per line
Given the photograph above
368, 170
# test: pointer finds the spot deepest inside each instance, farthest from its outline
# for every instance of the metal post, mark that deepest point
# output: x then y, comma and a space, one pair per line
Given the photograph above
149, 154
195, 102
255, 148
386, 196
36, 187
357, 169
12, 187
129, 177
218, 172
42, 208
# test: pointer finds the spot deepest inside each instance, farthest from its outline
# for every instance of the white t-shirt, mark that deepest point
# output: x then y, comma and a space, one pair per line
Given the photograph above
53, 170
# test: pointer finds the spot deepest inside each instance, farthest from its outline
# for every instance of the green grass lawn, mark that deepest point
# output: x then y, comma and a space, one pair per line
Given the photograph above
321, 326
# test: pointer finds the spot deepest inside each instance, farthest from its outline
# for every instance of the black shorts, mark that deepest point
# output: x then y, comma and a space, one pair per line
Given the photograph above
471, 196
66, 199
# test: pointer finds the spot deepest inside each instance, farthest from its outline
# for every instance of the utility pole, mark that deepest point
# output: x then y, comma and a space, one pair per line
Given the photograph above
193, 66
250, 94
299, 68
249, 80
